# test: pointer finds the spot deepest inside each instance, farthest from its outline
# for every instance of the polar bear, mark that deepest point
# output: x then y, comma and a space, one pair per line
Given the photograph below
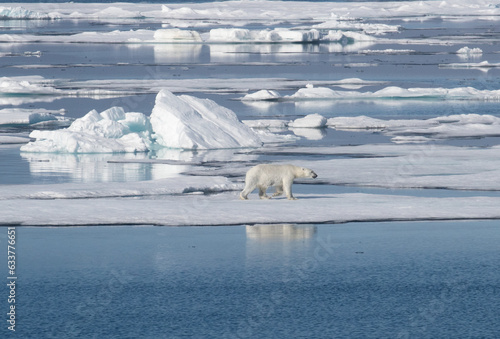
280, 176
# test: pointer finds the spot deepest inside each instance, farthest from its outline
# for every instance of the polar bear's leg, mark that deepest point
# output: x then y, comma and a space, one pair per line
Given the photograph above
279, 190
262, 192
287, 187
246, 191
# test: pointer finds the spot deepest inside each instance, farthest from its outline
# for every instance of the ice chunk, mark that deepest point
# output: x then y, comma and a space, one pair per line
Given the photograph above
19, 116
191, 123
22, 13
311, 93
176, 35
276, 35
25, 85
309, 121
414, 130
470, 51
266, 123
262, 95
108, 132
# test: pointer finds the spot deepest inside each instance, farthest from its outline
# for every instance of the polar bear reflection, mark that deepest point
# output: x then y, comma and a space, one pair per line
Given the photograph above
280, 176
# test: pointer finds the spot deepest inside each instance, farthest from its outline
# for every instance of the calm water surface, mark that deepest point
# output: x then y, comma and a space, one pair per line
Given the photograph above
360, 280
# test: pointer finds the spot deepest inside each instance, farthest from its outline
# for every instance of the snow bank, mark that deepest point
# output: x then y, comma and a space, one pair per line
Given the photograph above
191, 123
108, 132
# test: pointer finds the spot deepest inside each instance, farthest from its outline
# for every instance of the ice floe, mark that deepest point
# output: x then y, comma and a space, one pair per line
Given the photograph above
191, 123
466, 51
18, 116
401, 130
227, 209
276, 35
18, 13
183, 122
110, 131
35, 85
309, 121
254, 11
314, 93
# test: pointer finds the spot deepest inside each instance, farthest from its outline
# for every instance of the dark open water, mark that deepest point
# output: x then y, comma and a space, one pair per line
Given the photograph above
361, 280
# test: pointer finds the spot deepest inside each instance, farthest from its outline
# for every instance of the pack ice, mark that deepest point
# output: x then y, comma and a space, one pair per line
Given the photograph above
182, 122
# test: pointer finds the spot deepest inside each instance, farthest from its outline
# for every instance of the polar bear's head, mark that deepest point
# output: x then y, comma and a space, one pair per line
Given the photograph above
307, 173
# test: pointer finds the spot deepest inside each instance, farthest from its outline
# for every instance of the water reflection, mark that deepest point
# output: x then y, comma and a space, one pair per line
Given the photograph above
309, 133
278, 246
47, 167
177, 53
280, 232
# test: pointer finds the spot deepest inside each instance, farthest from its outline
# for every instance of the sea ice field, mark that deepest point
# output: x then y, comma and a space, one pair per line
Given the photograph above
116, 118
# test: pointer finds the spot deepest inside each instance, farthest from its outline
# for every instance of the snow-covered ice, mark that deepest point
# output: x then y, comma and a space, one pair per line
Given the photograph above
19, 116
184, 122
314, 93
110, 131
191, 123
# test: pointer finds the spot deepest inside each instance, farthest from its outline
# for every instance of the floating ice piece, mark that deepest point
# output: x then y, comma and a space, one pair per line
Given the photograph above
262, 95
266, 123
276, 35
412, 130
22, 13
470, 51
367, 28
25, 85
347, 37
387, 51
108, 132
18, 116
309, 121
396, 92
364, 122
176, 35
191, 123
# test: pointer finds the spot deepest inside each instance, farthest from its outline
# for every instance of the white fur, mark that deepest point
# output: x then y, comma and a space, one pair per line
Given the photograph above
280, 176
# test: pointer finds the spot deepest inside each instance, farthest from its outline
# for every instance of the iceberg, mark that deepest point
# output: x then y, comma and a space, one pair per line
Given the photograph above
192, 123
112, 131
181, 122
